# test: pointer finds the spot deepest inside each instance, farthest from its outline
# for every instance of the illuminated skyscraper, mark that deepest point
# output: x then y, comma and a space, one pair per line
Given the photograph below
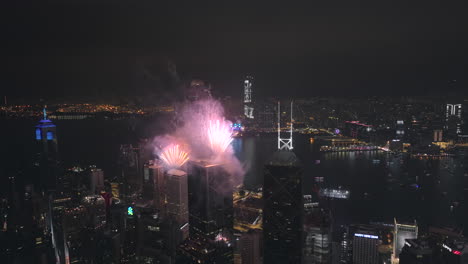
46, 138
400, 129
401, 233
283, 206
248, 101
453, 119
365, 249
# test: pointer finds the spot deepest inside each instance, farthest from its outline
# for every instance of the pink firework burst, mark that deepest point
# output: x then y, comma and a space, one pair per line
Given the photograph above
174, 157
219, 135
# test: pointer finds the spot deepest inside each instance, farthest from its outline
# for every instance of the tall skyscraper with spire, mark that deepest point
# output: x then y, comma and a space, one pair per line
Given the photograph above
47, 148
283, 207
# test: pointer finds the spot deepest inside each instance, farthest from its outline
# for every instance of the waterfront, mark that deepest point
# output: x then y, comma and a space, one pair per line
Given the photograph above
379, 190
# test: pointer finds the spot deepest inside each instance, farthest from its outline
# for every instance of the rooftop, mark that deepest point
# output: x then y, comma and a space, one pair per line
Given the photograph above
284, 158
176, 172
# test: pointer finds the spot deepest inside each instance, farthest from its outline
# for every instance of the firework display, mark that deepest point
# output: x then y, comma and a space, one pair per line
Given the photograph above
174, 157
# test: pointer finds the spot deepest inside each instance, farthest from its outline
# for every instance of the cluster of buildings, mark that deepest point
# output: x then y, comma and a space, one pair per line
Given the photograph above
419, 125
192, 213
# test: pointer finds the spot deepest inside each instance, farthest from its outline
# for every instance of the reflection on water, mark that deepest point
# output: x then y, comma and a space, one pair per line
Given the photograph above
381, 185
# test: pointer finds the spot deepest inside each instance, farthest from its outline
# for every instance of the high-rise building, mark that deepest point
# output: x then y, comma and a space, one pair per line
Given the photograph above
400, 129
46, 138
153, 244
177, 199
401, 233
154, 186
317, 234
130, 169
96, 180
438, 135
365, 247
248, 100
283, 205
210, 196
417, 251
454, 120
282, 222
250, 244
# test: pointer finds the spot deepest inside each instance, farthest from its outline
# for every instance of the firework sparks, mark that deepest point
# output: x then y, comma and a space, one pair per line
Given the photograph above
219, 135
174, 157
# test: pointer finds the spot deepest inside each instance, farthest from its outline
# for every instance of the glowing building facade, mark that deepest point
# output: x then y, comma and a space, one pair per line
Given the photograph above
365, 248
248, 101
401, 233
453, 119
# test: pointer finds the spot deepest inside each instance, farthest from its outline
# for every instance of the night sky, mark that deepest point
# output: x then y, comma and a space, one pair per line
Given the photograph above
92, 48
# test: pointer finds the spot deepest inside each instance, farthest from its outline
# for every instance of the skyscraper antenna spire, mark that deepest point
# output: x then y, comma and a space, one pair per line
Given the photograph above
44, 112
285, 143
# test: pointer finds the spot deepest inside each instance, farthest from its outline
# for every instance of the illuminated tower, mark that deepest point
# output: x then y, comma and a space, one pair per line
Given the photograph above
401, 233
248, 101
283, 206
453, 119
46, 138
365, 245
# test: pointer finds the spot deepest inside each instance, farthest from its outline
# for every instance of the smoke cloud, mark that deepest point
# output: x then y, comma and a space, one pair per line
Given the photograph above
202, 130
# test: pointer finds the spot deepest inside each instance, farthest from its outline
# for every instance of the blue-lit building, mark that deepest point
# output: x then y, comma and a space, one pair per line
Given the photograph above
47, 149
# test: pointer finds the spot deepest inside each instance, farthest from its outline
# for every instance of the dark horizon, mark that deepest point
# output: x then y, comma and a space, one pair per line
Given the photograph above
89, 49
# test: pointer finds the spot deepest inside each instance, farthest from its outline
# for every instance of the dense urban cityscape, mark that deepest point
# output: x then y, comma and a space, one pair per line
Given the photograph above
310, 133
163, 200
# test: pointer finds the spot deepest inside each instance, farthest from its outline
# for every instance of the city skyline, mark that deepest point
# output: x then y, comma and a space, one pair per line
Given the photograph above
312, 133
